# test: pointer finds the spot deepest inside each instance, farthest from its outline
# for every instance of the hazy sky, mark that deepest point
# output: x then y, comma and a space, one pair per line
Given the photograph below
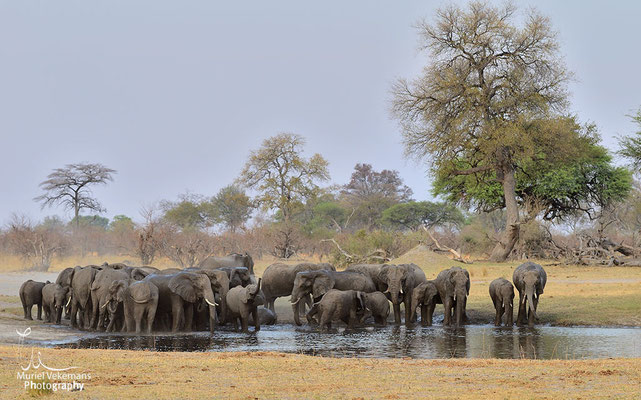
174, 95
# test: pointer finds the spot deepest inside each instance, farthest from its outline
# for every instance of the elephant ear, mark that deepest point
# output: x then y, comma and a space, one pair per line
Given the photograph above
141, 292
184, 286
467, 285
322, 284
382, 274
116, 288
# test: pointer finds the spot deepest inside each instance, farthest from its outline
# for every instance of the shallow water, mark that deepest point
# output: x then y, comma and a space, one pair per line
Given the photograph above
474, 341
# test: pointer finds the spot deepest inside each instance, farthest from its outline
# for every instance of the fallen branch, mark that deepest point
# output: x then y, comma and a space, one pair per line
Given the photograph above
457, 256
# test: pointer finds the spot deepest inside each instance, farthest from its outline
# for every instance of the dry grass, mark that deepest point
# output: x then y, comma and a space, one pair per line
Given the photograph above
146, 375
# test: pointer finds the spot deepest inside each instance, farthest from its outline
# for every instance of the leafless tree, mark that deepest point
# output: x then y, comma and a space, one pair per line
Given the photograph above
39, 243
70, 187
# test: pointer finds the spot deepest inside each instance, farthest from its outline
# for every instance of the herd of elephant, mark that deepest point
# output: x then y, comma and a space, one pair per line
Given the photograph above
220, 290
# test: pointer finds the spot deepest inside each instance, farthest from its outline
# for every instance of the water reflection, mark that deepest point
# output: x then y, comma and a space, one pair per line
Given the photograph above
393, 342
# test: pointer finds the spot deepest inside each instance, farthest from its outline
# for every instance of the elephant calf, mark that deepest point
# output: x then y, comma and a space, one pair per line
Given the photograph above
242, 301
378, 307
53, 301
30, 295
338, 305
502, 294
265, 317
425, 296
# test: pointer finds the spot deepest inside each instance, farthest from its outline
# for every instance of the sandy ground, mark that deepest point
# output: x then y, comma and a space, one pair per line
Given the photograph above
10, 281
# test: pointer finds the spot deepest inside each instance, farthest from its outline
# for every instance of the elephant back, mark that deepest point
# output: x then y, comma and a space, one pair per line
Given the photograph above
142, 294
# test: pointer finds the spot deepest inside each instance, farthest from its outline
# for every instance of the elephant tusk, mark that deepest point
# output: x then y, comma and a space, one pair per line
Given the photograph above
106, 304
210, 303
68, 301
296, 302
387, 291
401, 292
455, 297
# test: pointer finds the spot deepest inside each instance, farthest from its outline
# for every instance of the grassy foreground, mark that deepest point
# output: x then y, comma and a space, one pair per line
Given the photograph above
145, 375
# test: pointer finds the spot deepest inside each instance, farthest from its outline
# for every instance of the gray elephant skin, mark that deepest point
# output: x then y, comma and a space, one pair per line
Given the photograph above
31, 295
453, 287
64, 279
265, 317
220, 286
317, 283
529, 279
278, 279
396, 281
338, 305
100, 295
502, 295
232, 260
139, 300
377, 306
243, 301
425, 296
81, 305
179, 293
54, 298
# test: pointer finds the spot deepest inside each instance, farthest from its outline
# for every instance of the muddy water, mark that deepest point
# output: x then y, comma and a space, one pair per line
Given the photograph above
479, 341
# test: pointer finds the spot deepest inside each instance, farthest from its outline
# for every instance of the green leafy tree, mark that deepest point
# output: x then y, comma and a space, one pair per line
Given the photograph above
90, 220
474, 109
631, 145
281, 176
121, 223
190, 212
231, 207
415, 214
553, 186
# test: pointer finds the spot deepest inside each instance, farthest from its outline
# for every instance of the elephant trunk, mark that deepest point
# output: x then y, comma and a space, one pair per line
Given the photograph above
530, 301
413, 306
459, 298
295, 311
395, 292
58, 314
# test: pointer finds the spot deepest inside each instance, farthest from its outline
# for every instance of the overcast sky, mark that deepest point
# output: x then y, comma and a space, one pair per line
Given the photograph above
174, 95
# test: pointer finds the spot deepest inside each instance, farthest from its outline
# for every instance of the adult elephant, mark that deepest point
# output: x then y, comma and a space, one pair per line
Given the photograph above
397, 282
179, 293
238, 276
529, 279
219, 285
81, 305
278, 279
139, 300
317, 283
100, 294
232, 260
64, 280
53, 301
453, 287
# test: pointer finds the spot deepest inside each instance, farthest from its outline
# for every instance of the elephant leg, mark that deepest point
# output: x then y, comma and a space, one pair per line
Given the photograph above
256, 321
325, 323
270, 304
244, 321
138, 314
464, 316
176, 316
521, 315
424, 315
397, 313
74, 311
26, 311
447, 311
189, 317
497, 320
39, 311
151, 314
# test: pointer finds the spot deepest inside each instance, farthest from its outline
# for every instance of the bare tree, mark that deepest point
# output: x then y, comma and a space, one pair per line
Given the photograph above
149, 236
70, 187
39, 243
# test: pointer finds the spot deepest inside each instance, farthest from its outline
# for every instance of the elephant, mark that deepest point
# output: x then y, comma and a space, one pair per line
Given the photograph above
242, 301
453, 287
338, 305
100, 294
219, 285
178, 293
54, 297
317, 283
377, 305
238, 276
425, 296
64, 279
502, 294
529, 279
30, 295
396, 281
232, 260
278, 279
81, 305
168, 271
139, 299
265, 317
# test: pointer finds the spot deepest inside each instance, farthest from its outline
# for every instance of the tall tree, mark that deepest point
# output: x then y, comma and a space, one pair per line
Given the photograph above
70, 187
231, 207
631, 145
370, 192
415, 214
281, 175
471, 110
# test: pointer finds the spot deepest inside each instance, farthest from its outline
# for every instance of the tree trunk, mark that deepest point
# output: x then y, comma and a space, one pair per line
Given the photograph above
503, 248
